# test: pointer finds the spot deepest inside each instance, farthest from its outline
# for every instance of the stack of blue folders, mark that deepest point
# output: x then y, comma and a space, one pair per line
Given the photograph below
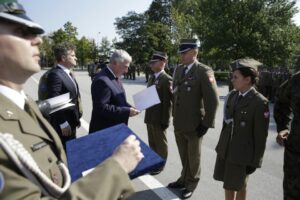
89, 151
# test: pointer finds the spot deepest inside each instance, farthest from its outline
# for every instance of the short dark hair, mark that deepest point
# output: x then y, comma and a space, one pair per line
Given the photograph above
248, 72
62, 49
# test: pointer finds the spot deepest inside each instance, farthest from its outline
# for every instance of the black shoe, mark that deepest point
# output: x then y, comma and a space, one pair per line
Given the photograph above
155, 172
186, 194
175, 185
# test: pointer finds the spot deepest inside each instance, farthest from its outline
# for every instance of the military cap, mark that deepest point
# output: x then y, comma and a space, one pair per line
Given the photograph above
13, 11
187, 44
245, 63
157, 55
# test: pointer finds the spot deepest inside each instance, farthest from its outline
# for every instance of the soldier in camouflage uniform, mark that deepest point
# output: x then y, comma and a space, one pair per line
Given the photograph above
287, 103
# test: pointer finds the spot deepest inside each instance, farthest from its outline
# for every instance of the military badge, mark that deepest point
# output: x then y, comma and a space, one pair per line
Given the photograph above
211, 77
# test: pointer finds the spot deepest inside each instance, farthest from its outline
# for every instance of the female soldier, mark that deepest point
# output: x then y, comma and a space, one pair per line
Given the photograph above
245, 128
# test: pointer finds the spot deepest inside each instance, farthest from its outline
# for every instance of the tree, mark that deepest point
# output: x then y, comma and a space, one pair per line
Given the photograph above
105, 47
84, 51
47, 57
58, 36
71, 32
261, 29
144, 33
68, 33
130, 29
160, 11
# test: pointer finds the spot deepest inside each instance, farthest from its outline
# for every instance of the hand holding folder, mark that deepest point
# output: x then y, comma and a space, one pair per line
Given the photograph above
128, 154
87, 152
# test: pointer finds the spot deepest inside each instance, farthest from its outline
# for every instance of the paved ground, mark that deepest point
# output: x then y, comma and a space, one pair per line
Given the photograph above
264, 184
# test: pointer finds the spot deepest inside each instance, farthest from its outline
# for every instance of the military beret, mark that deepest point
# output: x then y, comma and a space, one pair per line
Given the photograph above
157, 55
187, 44
12, 11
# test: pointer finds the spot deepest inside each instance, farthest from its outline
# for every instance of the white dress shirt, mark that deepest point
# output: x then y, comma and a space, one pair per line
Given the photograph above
16, 97
68, 71
158, 73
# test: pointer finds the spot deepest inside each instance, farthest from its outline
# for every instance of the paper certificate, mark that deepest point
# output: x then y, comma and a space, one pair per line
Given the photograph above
146, 98
59, 102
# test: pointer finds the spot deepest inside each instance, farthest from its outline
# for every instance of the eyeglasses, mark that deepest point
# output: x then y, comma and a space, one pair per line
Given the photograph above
12, 7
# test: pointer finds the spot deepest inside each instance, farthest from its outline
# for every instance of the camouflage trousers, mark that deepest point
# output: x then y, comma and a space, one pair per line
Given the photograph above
291, 181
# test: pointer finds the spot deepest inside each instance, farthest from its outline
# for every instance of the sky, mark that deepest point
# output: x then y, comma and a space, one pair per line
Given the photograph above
93, 18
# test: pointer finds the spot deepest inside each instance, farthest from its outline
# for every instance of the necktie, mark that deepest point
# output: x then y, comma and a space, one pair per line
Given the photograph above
74, 80
151, 80
72, 75
184, 71
239, 99
78, 94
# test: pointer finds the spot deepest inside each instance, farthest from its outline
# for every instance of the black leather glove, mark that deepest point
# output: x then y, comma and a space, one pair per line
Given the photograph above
250, 169
164, 126
44, 107
201, 130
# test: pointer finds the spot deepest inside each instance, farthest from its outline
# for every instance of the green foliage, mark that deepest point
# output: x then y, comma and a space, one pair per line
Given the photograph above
221, 76
160, 11
147, 32
130, 28
86, 49
105, 47
47, 57
261, 29
227, 30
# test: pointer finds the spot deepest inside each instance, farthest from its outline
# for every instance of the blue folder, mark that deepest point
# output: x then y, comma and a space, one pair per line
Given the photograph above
89, 151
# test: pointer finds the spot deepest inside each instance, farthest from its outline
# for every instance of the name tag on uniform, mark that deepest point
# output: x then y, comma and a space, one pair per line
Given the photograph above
38, 146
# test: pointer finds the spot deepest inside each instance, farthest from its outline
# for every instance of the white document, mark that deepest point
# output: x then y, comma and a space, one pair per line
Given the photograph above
146, 98
60, 102
86, 172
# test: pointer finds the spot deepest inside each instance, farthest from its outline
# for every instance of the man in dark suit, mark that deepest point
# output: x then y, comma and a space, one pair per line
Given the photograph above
110, 106
158, 116
60, 81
